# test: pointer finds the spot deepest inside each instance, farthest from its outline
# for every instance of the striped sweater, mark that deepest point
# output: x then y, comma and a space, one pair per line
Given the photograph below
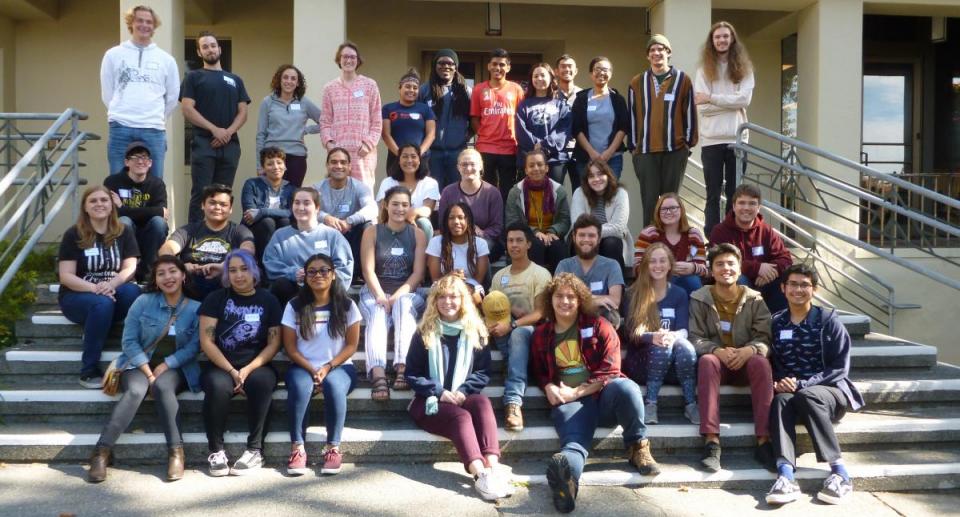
662, 119
690, 247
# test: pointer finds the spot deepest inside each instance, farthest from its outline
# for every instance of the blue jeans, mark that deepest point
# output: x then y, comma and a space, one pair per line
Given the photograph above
336, 386
689, 283
443, 166
516, 347
97, 313
771, 293
683, 358
150, 237
620, 402
122, 136
615, 162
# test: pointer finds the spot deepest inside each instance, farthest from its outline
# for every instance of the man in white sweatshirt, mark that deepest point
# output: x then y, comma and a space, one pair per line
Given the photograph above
140, 86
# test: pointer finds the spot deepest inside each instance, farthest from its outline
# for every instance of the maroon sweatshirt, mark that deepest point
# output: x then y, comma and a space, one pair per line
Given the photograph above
758, 244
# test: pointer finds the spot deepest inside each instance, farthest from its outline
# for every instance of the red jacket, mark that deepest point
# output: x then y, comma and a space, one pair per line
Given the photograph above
758, 244
600, 351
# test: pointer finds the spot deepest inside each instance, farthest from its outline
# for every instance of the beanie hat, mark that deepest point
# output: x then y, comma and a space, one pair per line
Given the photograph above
658, 38
446, 52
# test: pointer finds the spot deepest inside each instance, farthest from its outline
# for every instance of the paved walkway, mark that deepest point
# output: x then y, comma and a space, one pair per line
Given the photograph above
391, 489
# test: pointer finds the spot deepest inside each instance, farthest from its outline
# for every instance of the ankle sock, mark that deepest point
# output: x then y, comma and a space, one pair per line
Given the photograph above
785, 469
837, 468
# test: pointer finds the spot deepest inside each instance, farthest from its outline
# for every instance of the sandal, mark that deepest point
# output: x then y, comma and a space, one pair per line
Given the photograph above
400, 381
380, 390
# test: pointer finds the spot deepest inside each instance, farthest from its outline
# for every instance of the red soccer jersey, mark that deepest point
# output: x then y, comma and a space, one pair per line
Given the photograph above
496, 108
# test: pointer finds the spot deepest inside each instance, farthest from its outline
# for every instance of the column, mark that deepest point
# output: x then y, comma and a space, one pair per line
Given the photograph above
318, 28
685, 23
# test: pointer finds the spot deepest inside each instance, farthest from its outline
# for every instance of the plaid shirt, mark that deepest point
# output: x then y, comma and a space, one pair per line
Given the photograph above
600, 352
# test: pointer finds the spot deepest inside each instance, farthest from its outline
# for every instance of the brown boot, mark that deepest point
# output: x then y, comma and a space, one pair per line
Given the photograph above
513, 417
175, 463
98, 464
642, 459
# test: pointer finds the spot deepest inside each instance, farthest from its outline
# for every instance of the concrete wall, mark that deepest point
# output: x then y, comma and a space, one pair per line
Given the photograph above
7, 62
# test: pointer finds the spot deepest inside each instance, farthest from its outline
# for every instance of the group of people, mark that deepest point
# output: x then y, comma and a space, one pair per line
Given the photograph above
423, 250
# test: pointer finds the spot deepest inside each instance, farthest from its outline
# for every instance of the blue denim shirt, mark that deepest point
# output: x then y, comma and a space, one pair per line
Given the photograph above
145, 321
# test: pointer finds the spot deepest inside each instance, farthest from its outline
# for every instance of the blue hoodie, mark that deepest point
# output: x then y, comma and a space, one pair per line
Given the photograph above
835, 344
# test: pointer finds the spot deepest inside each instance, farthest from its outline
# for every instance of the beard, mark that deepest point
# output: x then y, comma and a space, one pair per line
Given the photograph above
211, 60
588, 254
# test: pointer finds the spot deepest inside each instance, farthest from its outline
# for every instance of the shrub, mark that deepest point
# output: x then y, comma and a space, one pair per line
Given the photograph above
40, 266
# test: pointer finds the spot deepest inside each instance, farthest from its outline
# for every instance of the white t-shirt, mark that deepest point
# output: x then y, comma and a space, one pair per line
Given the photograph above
435, 247
427, 188
322, 348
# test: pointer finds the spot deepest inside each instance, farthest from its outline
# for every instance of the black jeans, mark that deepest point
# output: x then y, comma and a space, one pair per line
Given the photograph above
134, 385
217, 392
719, 174
549, 256
209, 166
284, 290
817, 408
500, 170
559, 170
262, 231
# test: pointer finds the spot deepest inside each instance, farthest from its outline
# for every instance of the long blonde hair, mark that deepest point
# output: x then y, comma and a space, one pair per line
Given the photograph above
644, 313
473, 324
738, 61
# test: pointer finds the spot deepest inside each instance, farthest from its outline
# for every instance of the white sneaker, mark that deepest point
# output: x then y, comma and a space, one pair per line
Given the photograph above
250, 460
650, 413
783, 491
219, 464
502, 479
487, 486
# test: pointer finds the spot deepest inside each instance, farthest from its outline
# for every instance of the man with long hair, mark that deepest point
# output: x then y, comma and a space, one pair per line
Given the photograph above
722, 92
448, 94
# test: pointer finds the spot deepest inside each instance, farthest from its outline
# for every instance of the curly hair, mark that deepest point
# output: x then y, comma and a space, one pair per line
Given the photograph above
86, 235
738, 61
446, 240
301, 88
644, 313
469, 316
683, 224
131, 14
585, 303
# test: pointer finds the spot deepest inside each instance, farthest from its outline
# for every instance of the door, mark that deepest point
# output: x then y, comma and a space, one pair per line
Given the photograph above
887, 124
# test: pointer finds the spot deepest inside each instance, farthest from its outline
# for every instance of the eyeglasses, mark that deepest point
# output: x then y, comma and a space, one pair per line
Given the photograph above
139, 158
446, 64
347, 57
322, 272
800, 285
669, 209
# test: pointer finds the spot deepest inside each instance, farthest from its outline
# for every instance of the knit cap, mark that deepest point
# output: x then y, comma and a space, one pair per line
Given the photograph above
446, 52
658, 38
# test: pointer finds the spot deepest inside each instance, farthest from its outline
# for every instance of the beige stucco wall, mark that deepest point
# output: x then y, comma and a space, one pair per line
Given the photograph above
7, 61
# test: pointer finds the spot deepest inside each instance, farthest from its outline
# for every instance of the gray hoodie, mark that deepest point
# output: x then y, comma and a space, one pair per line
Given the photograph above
283, 125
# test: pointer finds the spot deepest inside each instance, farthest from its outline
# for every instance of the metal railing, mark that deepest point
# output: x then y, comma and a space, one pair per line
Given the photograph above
40, 174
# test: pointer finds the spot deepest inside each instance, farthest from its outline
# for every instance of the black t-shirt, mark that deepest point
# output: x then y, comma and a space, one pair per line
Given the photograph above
98, 263
138, 201
242, 322
201, 245
217, 94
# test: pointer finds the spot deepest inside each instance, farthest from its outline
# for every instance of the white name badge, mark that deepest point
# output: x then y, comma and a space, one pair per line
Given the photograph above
586, 333
693, 251
125, 193
668, 97
91, 252
251, 317
596, 286
295, 107
273, 201
358, 93
230, 81
172, 331
415, 116
786, 334
668, 312
345, 207
396, 252
152, 65
320, 245
757, 251
505, 279
725, 326
592, 108
322, 316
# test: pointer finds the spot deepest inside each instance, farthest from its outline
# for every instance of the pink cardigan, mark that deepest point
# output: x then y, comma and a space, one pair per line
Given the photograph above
351, 115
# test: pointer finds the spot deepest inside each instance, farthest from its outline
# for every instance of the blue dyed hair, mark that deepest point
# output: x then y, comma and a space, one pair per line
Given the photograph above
248, 260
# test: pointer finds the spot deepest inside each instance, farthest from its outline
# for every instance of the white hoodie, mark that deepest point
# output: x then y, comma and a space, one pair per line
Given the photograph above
727, 109
139, 86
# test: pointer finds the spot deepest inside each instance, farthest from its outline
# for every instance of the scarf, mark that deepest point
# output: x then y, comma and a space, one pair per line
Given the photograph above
548, 198
460, 370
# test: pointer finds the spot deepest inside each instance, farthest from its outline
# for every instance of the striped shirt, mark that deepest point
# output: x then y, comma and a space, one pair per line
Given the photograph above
690, 247
664, 118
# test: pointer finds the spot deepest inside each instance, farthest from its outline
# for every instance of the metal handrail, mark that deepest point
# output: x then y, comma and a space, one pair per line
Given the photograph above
41, 188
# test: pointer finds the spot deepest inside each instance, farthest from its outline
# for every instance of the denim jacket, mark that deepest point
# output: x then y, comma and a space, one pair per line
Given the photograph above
146, 319
256, 193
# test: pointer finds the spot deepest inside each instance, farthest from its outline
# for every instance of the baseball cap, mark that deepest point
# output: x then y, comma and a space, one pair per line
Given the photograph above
136, 146
496, 308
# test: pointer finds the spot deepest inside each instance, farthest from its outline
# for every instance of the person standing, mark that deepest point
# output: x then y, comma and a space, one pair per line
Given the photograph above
664, 125
722, 91
350, 114
448, 95
493, 106
544, 121
600, 120
139, 85
408, 121
282, 121
215, 102
566, 72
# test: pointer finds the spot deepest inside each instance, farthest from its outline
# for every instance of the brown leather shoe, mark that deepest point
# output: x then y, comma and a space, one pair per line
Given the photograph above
175, 463
642, 459
98, 465
513, 417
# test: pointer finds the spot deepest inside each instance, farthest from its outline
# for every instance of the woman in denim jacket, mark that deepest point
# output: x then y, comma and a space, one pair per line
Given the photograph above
163, 367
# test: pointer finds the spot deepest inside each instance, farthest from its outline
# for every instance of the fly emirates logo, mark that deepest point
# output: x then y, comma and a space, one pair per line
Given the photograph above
496, 106
498, 109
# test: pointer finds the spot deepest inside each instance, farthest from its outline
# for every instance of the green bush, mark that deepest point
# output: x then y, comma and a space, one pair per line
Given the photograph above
40, 266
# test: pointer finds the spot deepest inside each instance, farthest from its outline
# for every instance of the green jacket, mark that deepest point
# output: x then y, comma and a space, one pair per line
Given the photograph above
561, 218
751, 324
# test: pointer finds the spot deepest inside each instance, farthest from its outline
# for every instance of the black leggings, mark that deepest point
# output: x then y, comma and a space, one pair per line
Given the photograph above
612, 247
262, 231
134, 385
548, 256
217, 392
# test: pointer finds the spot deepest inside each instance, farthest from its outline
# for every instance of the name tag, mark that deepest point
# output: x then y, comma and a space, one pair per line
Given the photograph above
125, 193
251, 317
430, 103
757, 251
295, 107
172, 331
786, 334
505, 279
592, 108
321, 316
345, 207
320, 245
668, 312
586, 333
91, 252
273, 201
725, 326
596, 286
151, 65
693, 251
668, 97
415, 116
357, 94
230, 81
396, 252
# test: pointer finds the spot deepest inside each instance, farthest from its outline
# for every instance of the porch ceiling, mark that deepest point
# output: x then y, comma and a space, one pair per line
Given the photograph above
30, 9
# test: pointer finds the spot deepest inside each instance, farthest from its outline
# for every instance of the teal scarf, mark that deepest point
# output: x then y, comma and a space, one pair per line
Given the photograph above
460, 370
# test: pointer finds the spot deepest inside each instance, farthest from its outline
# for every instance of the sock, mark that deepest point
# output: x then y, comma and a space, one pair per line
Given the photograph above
785, 468
837, 468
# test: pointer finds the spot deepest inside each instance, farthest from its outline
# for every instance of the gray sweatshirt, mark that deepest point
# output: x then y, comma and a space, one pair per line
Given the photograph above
289, 248
353, 203
283, 125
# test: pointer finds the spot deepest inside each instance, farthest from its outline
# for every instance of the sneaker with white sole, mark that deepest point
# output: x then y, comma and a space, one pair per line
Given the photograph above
219, 464
487, 486
332, 461
250, 460
650, 413
91, 381
502, 482
783, 491
297, 464
692, 412
835, 489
